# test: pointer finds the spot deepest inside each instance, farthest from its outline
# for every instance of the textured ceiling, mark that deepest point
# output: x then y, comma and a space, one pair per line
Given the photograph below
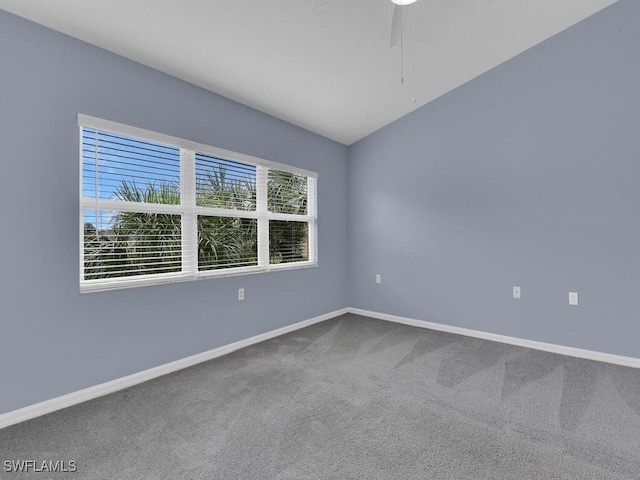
323, 65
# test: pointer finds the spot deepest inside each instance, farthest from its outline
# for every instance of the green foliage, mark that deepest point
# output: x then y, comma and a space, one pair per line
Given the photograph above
287, 193
226, 242
136, 243
167, 193
217, 189
148, 243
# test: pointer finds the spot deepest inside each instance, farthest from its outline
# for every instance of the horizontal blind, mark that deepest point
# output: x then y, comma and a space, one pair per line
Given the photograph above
118, 167
286, 193
153, 212
288, 241
224, 183
125, 244
227, 242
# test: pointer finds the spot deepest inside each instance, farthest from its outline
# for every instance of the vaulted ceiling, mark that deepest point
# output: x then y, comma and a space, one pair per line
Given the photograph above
324, 65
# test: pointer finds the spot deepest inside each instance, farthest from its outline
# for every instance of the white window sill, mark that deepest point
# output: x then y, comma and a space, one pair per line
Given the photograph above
91, 286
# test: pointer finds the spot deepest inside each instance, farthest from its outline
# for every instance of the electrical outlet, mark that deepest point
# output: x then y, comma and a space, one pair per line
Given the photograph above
573, 298
378, 278
241, 294
516, 292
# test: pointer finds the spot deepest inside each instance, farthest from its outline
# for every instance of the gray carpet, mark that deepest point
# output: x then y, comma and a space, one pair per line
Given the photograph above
354, 398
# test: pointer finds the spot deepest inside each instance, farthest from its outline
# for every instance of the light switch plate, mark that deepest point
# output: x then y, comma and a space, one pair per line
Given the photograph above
573, 298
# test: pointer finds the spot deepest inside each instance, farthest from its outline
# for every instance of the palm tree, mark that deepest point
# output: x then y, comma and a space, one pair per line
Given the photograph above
226, 242
287, 193
136, 243
215, 188
148, 243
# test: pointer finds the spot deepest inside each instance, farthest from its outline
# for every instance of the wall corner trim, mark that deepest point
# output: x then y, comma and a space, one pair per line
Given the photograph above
74, 398
520, 342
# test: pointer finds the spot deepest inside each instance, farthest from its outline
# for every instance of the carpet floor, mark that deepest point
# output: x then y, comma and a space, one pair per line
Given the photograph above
353, 398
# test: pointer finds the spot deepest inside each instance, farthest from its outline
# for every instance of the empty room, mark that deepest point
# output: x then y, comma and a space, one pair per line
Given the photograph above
320, 239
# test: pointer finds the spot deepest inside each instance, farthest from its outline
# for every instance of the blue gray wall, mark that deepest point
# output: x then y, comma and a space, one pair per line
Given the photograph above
524, 176
52, 339
528, 175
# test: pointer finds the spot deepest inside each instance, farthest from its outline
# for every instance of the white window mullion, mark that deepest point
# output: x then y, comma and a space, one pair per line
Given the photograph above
147, 199
225, 212
81, 186
189, 217
263, 219
312, 211
289, 217
139, 207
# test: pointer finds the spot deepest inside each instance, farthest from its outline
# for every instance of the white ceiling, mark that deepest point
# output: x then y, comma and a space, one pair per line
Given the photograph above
326, 67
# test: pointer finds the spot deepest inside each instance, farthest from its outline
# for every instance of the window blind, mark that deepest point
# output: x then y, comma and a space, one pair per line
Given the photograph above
287, 193
118, 167
224, 183
156, 209
124, 244
288, 241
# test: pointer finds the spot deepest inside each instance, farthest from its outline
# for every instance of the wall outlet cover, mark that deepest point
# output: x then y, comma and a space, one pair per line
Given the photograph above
573, 298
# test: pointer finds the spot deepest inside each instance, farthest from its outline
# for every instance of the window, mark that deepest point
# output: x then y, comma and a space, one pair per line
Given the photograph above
158, 209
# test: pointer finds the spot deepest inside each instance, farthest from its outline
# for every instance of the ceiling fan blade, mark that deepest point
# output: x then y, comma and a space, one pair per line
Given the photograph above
396, 25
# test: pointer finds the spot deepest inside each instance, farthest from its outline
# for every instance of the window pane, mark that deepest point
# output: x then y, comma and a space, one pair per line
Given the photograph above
117, 167
286, 193
288, 241
123, 244
225, 184
227, 242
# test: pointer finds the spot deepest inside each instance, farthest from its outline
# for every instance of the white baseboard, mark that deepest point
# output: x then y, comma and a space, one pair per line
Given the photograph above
58, 403
547, 347
64, 401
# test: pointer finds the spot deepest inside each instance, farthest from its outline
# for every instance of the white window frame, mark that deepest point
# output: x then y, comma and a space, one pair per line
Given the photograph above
190, 211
